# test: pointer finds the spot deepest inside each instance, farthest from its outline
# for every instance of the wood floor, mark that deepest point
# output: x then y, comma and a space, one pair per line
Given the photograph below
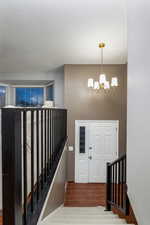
85, 195
1, 220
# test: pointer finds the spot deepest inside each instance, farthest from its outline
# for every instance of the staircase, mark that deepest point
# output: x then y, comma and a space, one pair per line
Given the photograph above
82, 216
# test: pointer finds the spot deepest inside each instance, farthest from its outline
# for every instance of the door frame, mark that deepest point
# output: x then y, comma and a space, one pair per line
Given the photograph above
87, 122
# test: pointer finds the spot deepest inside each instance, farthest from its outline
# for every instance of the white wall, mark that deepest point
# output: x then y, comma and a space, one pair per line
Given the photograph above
56, 75
138, 122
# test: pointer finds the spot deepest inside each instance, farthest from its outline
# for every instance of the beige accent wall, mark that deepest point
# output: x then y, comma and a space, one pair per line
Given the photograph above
85, 104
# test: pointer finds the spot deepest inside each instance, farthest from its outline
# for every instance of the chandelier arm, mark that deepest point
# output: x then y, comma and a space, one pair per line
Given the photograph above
102, 59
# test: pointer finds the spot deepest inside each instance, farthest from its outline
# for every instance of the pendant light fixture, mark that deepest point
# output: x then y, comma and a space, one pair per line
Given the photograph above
102, 83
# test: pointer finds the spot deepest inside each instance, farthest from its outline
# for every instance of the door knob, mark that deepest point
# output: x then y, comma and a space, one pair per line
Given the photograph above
90, 147
90, 157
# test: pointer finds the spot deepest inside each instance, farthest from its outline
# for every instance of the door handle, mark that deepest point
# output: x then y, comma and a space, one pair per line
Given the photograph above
90, 147
90, 157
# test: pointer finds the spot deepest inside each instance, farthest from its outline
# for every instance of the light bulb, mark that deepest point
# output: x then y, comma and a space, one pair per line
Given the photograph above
102, 78
106, 85
90, 83
114, 82
96, 85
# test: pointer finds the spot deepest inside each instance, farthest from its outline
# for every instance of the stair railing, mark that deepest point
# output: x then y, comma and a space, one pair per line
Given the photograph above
32, 143
116, 187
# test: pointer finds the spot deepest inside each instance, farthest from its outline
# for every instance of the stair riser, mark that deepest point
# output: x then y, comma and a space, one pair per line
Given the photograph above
78, 220
88, 222
84, 214
83, 204
89, 217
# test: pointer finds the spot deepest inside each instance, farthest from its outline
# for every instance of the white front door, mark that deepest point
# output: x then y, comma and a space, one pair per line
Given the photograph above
100, 147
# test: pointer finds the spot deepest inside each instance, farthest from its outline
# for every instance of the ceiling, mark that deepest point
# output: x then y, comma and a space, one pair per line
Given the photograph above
41, 35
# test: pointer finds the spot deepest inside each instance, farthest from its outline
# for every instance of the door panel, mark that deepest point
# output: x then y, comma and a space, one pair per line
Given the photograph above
103, 140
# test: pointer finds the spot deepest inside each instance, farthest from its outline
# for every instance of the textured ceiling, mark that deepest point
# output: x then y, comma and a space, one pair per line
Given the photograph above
41, 35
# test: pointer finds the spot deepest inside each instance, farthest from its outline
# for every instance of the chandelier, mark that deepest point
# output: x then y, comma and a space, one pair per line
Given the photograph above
103, 83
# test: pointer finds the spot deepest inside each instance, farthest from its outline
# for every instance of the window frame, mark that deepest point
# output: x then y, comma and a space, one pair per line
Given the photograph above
7, 94
33, 86
27, 86
47, 86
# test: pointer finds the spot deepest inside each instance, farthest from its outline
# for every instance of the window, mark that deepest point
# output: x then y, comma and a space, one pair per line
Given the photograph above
50, 93
2, 96
29, 96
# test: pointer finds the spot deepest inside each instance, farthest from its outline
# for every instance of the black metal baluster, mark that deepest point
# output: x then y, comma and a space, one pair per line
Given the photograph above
55, 133
52, 136
50, 139
48, 146
25, 167
61, 127
127, 203
12, 167
32, 160
37, 152
108, 187
124, 192
116, 183
113, 184
45, 148
125, 166
122, 177
42, 175
58, 130
65, 124
119, 183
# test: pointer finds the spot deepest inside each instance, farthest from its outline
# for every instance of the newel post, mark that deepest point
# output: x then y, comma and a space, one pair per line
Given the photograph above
11, 166
108, 187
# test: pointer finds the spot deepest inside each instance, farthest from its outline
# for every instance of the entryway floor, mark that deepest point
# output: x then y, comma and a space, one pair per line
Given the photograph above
1, 220
85, 195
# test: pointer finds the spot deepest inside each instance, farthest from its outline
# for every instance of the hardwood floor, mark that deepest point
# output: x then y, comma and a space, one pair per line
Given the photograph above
86, 195
1, 220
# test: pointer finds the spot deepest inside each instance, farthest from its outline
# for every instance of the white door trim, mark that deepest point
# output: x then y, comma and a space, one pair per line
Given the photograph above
84, 123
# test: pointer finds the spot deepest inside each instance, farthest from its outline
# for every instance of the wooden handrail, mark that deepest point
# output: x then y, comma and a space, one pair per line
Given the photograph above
117, 160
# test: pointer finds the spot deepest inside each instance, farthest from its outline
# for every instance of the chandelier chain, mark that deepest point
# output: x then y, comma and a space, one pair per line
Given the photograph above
101, 60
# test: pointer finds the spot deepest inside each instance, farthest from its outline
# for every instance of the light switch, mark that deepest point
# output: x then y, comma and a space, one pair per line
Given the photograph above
71, 149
